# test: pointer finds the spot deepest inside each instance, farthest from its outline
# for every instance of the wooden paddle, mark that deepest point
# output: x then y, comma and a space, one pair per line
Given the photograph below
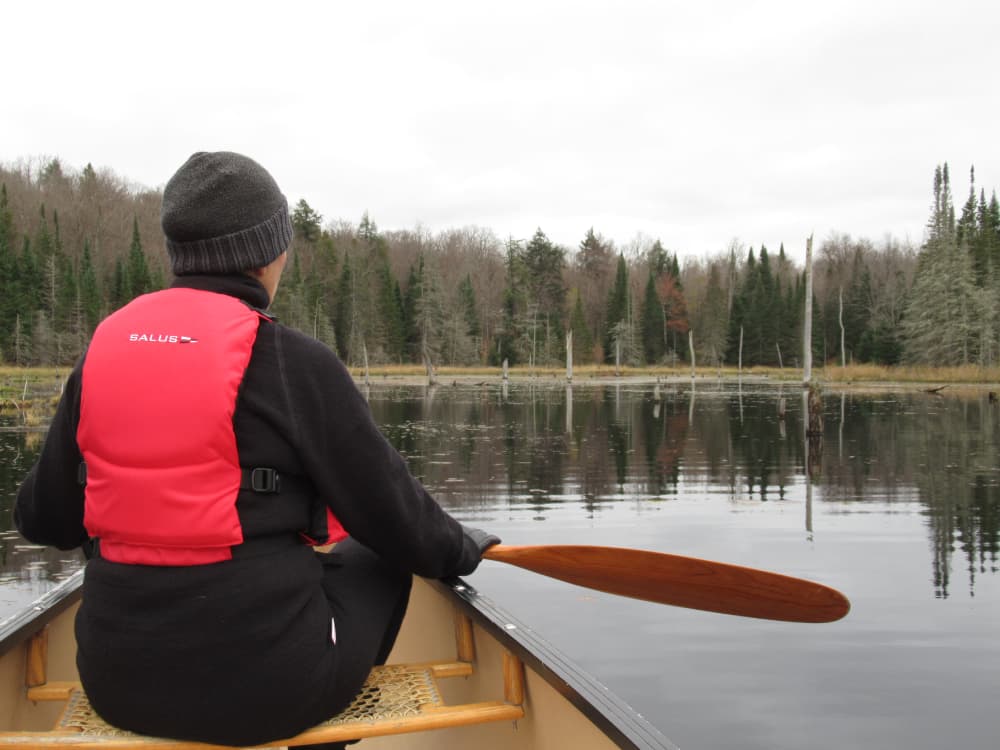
680, 581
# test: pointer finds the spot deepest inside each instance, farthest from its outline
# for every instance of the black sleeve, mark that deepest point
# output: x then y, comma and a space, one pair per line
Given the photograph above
49, 506
365, 481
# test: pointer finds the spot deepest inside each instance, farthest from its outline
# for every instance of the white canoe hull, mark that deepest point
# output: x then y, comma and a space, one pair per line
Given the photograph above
563, 706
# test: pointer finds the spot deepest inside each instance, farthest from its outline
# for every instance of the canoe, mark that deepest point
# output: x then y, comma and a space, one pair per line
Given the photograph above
464, 673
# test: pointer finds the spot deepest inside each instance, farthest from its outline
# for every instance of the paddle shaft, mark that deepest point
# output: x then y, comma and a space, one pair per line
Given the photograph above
680, 581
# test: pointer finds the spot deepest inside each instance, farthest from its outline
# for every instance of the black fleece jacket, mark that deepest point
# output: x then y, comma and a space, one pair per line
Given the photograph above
258, 624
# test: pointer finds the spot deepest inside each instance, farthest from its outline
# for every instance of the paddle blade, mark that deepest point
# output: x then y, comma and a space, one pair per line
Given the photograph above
680, 581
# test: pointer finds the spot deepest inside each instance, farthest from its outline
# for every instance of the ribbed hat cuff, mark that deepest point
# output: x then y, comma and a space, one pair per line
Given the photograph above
253, 247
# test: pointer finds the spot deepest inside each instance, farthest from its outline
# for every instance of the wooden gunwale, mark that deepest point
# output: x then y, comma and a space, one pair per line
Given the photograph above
20, 626
613, 716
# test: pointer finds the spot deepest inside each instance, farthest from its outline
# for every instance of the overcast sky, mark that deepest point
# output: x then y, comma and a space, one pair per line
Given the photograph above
694, 123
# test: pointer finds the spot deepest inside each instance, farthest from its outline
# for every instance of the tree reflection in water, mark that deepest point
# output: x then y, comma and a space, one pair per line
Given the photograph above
540, 447
603, 444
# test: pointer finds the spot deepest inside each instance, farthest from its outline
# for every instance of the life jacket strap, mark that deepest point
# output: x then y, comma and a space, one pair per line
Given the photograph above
261, 479
253, 547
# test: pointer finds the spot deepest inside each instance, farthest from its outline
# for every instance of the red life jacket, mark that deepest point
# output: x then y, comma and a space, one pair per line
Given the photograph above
160, 382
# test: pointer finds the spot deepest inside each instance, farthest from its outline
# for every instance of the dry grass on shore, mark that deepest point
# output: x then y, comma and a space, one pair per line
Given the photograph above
910, 374
31, 393
967, 374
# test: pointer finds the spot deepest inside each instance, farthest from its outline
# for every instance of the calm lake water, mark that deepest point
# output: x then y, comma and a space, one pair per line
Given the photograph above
899, 509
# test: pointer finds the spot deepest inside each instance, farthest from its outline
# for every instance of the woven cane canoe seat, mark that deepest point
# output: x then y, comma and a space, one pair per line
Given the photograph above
393, 692
396, 699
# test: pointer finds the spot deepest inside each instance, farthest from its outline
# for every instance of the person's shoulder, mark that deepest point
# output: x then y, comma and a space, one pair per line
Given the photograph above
308, 365
297, 345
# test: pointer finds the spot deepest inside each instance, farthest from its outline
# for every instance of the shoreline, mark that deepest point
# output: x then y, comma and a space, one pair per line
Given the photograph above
558, 380
28, 389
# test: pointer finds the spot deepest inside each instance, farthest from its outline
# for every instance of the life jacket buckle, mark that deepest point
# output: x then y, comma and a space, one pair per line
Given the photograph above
265, 481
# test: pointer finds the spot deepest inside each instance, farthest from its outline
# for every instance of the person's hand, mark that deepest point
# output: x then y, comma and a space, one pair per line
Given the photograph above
475, 543
482, 539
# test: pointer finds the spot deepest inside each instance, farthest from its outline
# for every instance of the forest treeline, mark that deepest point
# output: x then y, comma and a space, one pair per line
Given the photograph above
76, 245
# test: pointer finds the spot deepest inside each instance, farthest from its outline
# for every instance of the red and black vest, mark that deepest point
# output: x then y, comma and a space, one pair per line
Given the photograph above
160, 382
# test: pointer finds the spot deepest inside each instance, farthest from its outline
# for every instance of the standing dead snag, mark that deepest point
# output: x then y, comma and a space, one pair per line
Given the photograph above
814, 430
814, 427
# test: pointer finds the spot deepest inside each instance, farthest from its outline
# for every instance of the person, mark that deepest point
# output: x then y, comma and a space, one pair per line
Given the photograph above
200, 451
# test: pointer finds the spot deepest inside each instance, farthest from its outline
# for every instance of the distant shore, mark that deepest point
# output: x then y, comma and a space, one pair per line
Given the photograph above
38, 388
675, 382
852, 377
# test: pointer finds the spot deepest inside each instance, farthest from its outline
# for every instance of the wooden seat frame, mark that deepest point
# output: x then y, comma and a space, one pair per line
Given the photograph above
396, 699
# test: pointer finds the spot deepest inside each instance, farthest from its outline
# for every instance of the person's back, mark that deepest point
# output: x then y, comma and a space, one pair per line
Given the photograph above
203, 447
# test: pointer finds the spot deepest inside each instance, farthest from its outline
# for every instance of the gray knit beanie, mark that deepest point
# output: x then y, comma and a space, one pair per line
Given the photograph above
222, 212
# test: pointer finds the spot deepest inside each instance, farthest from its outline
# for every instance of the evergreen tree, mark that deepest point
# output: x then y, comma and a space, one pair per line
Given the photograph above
62, 292
44, 245
790, 306
941, 324
367, 229
390, 312
506, 334
29, 286
429, 314
344, 317
140, 281
469, 308
51, 278
766, 317
8, 278
659, 260
292, 306
318, 284
414, 288
6, 222
120, 287
982, 247
653, 325
741, 316
675, 271
462, 330
90, 294
88, 180
306, 222
44, 338
857, 312
991, 231
512, 337
68, 318
156, 278
377, 315
544, 264
617, 315
941, 225
595, 261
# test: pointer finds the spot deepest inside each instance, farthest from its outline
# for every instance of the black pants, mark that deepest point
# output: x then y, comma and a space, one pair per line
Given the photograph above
368, 600
160, 647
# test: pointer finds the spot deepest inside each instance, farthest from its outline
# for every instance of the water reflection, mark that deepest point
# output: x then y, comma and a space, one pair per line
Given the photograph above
26, 570
599, 445
898, 508
535, 448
